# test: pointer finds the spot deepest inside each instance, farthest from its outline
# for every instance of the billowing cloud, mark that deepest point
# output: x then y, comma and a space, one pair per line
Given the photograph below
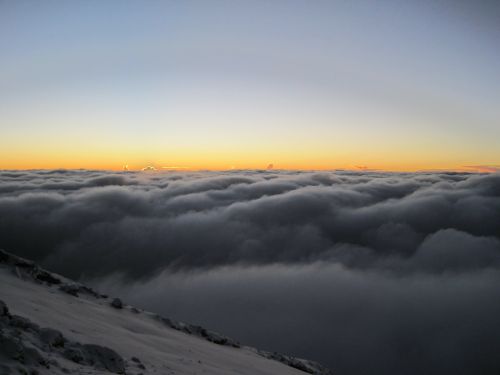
382, 272
146, 223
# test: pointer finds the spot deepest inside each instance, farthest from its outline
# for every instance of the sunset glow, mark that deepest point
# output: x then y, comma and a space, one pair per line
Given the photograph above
232, 85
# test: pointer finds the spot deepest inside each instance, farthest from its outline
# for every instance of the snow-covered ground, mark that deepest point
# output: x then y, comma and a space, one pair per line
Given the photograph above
51, 325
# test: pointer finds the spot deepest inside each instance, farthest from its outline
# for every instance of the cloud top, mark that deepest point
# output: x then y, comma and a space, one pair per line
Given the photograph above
137, 224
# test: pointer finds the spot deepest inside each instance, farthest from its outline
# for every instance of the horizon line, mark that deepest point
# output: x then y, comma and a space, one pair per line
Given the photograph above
150, 169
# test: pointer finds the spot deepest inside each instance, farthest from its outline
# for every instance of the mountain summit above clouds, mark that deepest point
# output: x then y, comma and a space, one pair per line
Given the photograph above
52, 325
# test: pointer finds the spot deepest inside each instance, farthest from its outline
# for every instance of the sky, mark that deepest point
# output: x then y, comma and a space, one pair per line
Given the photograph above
231, 84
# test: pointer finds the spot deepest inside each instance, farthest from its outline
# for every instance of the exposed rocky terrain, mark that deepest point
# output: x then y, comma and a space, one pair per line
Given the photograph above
52, 325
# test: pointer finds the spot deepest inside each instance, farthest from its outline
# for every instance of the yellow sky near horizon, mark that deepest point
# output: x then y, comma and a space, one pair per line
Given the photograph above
115, 159
221, 86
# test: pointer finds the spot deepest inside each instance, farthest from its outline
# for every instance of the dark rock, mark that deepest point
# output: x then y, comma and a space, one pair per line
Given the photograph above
46, 277
97, 356
31, 356
139, 363
304, 365
23, 263
10, 348
4, 310
300, 366
23, 323
87, 290
74, 353
219, 339
104, 358
70, 289
166, 321
76, 289
211, 336
13, 349
53, 362
4, 257
52, 337
117, 303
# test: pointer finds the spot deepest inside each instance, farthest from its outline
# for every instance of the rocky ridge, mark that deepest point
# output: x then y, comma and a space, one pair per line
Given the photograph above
26, 348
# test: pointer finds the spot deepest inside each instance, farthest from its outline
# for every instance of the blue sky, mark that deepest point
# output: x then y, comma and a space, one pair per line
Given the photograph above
223, 83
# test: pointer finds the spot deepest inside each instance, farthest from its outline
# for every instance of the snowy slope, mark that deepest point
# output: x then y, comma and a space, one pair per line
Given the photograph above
51, 325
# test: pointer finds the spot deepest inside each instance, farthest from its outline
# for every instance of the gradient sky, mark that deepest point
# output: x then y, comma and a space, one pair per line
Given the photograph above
220, 84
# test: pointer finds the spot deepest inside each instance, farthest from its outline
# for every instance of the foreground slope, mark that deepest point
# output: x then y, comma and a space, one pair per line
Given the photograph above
51, 325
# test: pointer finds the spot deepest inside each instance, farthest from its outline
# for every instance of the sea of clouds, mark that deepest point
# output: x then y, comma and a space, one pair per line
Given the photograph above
367, 272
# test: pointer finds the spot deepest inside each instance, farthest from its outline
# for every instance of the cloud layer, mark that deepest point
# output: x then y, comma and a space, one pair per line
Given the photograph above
381, 272
358, 323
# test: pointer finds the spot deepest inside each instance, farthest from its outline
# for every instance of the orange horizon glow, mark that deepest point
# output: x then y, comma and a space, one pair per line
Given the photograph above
221, 166
223, 156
